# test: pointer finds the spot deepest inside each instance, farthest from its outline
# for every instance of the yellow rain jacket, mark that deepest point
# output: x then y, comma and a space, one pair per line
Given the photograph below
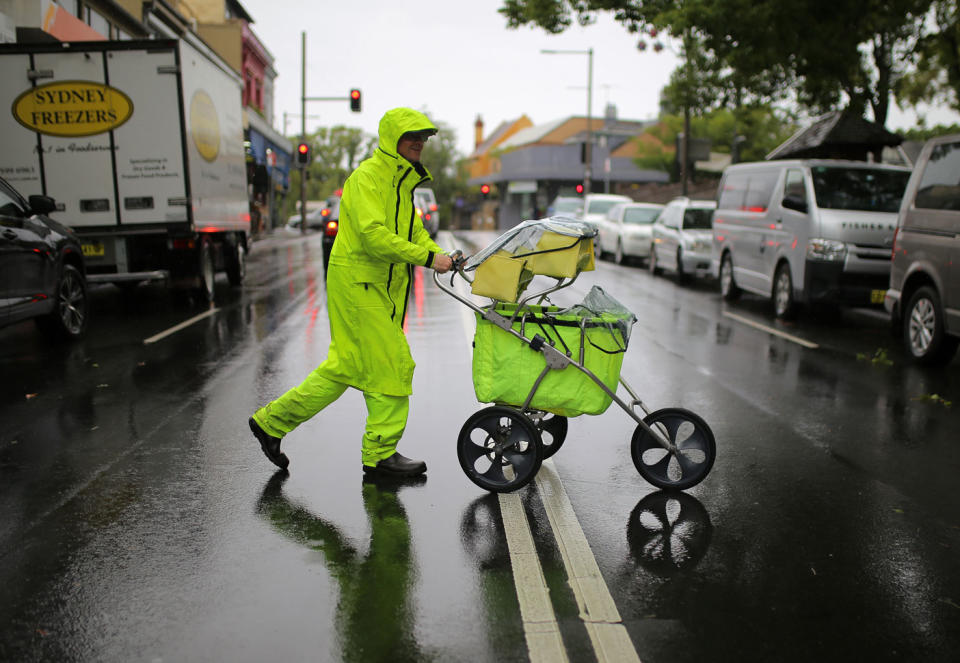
379, 241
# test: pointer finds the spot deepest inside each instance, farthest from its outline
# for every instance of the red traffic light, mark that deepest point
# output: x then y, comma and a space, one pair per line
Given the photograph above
303, 154
579, 188
485, 189
355, 100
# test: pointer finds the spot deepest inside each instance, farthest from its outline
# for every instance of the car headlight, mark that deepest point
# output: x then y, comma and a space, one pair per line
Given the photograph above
827, 250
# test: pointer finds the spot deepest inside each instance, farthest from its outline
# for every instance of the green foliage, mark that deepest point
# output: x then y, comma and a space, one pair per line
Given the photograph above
821, 54
936, 77
922, 134
762, 128
934, 398
879, 357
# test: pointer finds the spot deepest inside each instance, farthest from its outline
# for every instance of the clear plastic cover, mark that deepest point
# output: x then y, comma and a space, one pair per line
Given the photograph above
524, 239
599, 304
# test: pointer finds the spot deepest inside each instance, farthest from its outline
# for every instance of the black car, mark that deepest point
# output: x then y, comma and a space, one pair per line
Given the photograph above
42, 272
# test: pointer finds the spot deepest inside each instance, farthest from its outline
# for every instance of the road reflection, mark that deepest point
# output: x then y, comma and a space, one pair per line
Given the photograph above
668, 532
375, 618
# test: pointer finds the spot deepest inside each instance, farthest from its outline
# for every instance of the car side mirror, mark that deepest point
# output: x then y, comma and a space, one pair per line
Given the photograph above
42, 204
795, 203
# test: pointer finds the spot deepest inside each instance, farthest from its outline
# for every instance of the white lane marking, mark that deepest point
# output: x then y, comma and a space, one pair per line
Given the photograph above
182, 325
771, 330
597, 608
540, 627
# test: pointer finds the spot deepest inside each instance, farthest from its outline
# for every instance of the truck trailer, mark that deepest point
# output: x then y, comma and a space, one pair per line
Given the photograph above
141, 145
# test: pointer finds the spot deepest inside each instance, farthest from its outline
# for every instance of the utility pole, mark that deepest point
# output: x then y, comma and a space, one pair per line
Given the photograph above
588, 146
303, 130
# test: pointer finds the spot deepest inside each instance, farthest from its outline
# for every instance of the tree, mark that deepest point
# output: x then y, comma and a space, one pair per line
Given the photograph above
825, 52
440, 156
936, 77
755, 130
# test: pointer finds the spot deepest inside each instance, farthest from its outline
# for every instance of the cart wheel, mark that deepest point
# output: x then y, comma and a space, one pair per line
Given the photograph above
499, 449
683, 468
553, 431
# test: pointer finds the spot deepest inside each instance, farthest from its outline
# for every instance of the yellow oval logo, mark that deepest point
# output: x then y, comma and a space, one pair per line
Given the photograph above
204, 125
72, 108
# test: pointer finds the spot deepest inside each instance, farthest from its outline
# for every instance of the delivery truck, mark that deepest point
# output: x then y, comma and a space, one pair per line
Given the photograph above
141, 145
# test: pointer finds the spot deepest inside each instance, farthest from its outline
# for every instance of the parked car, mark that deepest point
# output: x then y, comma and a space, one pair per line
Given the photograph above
924, 294
566, 206
682, 238
596, 206
315, 220
42, 270
426, 204
627, 231
800, 231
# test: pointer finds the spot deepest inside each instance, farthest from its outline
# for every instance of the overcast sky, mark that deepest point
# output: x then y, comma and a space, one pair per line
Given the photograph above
456, 60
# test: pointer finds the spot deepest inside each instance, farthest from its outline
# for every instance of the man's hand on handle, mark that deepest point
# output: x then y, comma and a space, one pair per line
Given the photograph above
442, 263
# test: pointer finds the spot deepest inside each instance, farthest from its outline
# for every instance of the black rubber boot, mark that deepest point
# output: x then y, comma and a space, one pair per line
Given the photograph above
270, 445
397, 465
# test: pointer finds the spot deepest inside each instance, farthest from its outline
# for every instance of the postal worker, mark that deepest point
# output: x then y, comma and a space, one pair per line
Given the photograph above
380, 240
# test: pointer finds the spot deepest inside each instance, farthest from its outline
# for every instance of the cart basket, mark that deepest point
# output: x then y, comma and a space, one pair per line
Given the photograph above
505, 368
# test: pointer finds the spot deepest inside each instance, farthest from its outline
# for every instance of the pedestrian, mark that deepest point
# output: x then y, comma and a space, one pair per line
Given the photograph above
379, 241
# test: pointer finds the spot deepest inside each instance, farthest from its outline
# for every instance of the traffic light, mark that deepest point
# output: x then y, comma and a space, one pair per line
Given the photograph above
485, 190
579, 188
303, 154
355, 100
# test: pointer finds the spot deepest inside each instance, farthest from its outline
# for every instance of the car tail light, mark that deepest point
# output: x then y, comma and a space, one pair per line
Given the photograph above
419, 212
331, 228
433, 207
325, 212
427, 216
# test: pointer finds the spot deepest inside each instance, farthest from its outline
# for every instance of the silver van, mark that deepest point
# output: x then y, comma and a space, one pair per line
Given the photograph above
806, 231
924, 294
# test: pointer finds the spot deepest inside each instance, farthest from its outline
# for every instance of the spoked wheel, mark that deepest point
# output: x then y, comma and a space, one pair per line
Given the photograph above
692, 457
553, 431
499, 449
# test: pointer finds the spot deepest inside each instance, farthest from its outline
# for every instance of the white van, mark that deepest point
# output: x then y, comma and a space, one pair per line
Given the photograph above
805, 231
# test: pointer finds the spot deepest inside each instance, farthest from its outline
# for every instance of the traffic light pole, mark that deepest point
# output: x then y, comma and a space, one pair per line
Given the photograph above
303, 130
353, 98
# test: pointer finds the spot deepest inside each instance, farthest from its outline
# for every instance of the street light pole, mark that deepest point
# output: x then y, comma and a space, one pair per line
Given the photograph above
588, 148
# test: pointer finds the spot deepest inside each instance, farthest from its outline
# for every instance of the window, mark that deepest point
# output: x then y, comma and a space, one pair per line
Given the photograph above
98, 22
733, 192
640, 215
940, 185
793, 185
759, 191
10, 206
866, 189
698, 219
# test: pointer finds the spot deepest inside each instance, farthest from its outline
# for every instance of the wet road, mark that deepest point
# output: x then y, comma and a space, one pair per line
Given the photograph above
139, 520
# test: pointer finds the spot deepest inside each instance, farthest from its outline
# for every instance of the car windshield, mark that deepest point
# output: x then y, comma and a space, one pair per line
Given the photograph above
859, 188
697, 219
601, 206
640, 215
569, 205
